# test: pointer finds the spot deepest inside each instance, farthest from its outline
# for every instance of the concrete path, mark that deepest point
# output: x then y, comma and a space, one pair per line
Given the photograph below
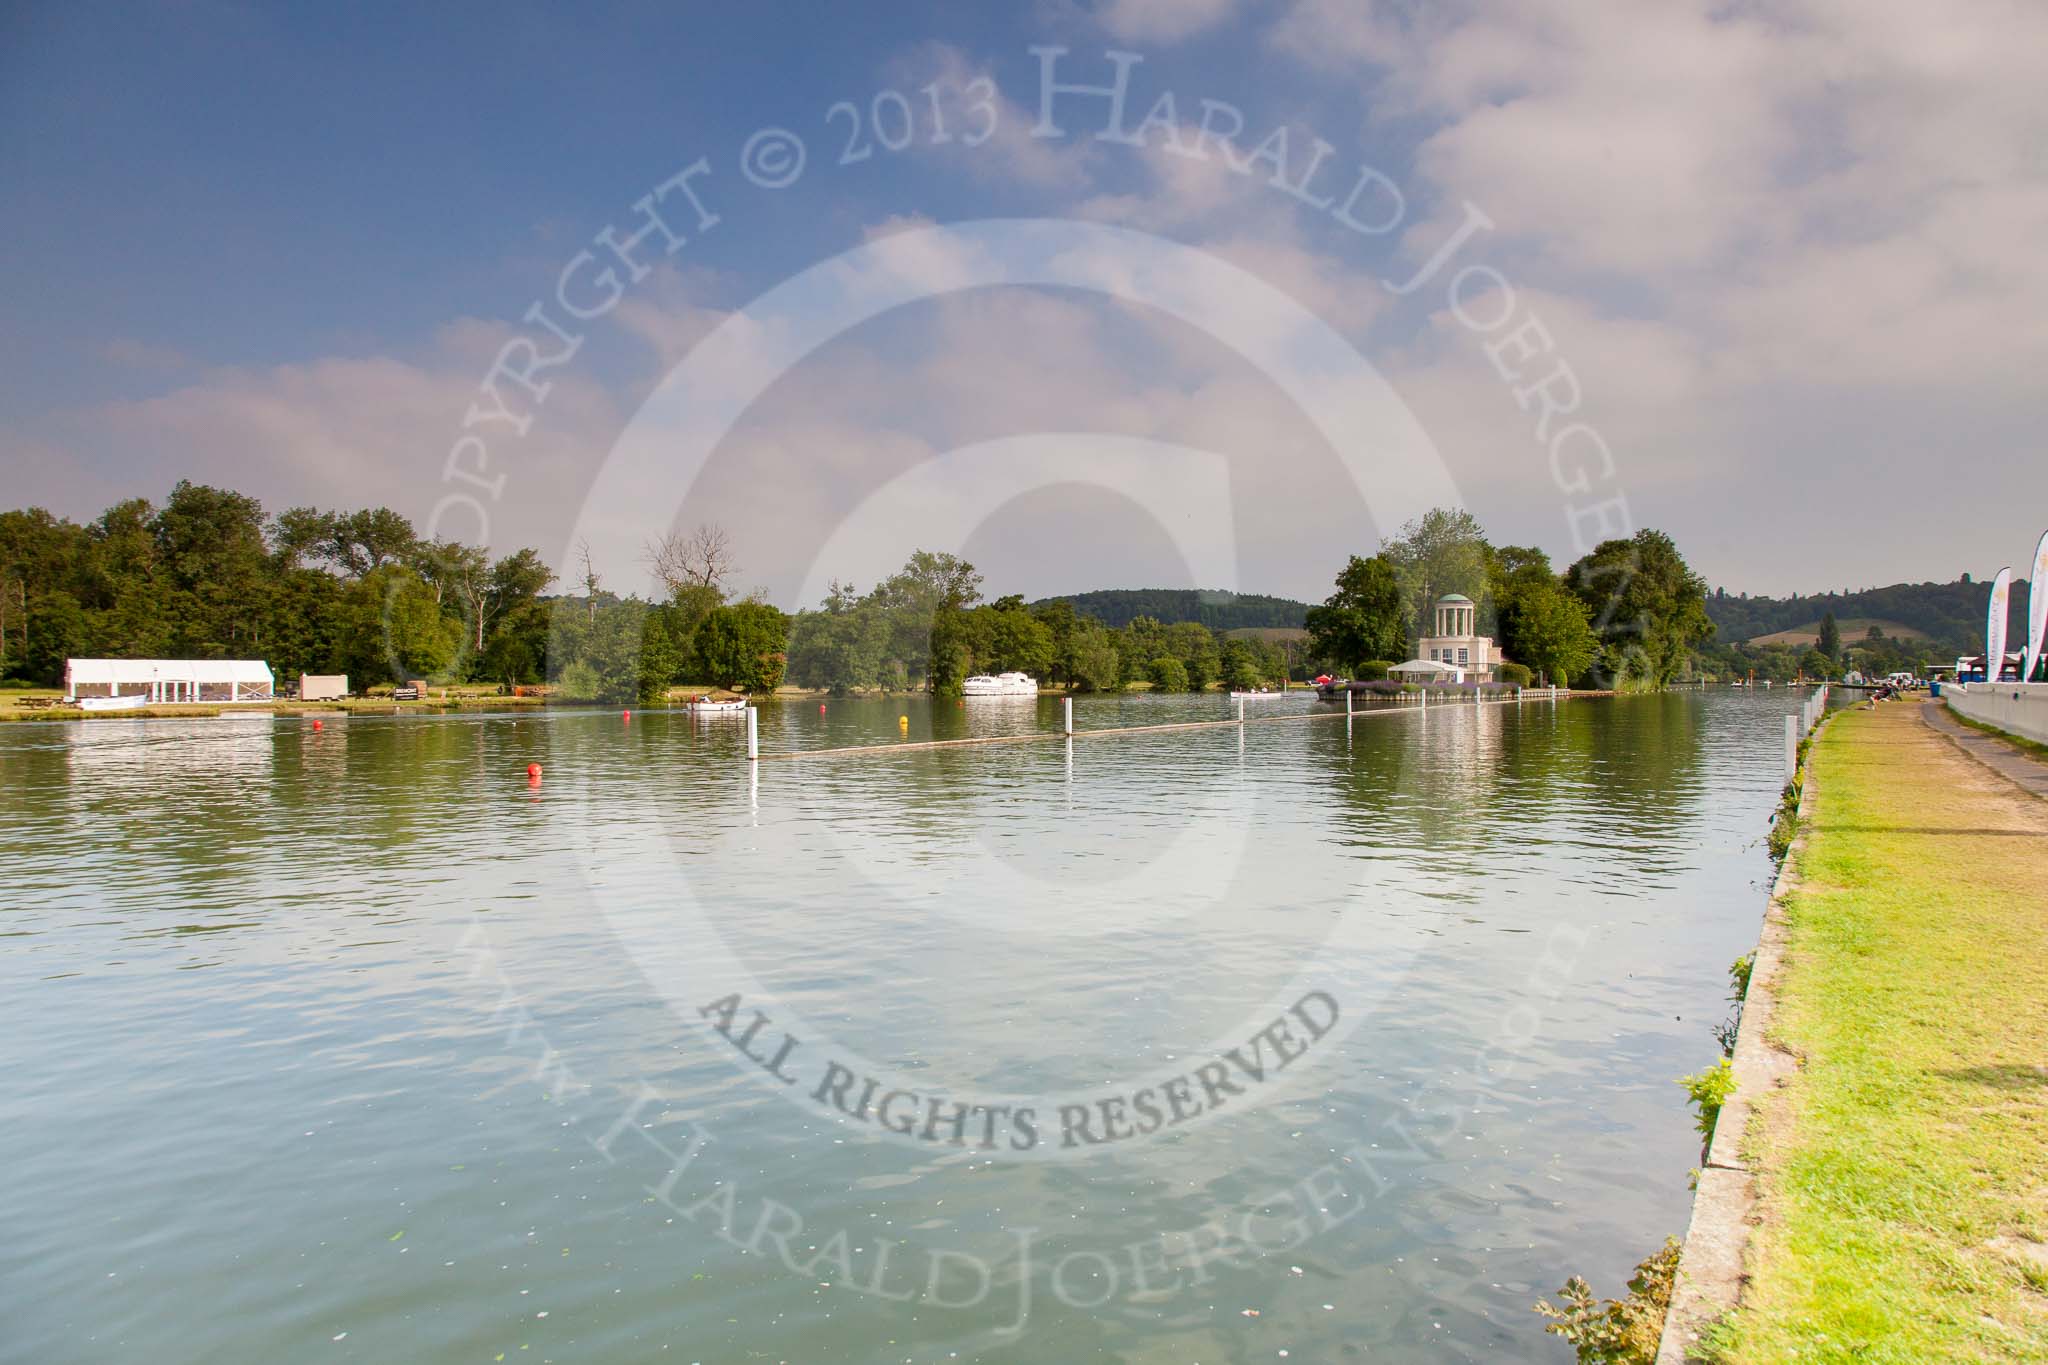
2002, 758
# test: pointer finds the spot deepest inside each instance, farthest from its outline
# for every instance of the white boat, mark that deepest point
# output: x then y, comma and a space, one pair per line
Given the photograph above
139, 700
1000, 685
1260, 695
705, 706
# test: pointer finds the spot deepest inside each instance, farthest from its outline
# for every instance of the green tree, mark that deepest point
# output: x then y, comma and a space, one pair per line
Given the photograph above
1365, 618
1241, 666
1017, 640
1830, 641
742, 646
1647, 607
661, 657
1168, 674
842, 645
396, 631
1060, 621
952, 651
1442, 551
1546, 628
1092, 660
1194, 644
215, 565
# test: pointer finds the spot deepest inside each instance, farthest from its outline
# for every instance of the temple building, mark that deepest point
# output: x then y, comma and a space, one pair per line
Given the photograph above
1455, 652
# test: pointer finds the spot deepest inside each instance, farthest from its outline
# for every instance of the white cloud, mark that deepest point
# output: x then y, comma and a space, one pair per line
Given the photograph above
988, 134
1757, 227
1162, 21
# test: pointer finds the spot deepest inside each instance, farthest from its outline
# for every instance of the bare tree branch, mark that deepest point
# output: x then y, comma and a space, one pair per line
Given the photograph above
701, 558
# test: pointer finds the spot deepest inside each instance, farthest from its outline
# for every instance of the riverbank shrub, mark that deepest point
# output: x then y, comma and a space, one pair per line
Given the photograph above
1622, 1331
1709, 1090
1372, 670
1169, 674
1515, 675
1785, 823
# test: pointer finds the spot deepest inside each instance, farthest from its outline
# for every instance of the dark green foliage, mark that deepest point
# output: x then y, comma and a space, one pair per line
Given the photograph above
1365, 618
204, 576
1951, 614
1647, 607
1617, 1331
1442, 551
1515, 675
1214, 608
922, 627
1092, 661
1242, 670
741, 646
1168, 674
1830, 641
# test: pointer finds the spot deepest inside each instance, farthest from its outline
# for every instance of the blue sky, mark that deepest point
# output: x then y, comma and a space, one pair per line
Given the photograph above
1791, 262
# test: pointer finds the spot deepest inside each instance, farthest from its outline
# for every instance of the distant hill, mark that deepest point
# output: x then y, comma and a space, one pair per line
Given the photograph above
1213, 607
1949, 613
1853, 628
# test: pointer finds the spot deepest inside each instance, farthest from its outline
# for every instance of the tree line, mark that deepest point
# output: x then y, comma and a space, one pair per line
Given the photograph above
1950, 614
1216, 608
927, 628
1630, 614
207, 575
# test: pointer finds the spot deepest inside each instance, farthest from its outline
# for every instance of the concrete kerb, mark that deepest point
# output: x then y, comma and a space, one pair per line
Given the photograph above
1711, 1269
2026, 773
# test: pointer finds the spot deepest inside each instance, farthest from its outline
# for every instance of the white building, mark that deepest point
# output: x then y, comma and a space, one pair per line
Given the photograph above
169, 680
1471, 657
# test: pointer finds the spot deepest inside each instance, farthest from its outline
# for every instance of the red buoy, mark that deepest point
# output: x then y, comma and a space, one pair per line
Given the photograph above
821, 708
627, 716
316, 725
533, 771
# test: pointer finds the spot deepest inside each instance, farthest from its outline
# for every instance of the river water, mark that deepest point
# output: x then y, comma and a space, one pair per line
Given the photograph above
1310, 1039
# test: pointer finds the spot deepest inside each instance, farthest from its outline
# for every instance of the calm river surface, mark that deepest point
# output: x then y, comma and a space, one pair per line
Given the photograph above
354, 1045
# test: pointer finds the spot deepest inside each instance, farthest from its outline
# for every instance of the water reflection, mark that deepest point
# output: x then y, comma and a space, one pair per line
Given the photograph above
248, 956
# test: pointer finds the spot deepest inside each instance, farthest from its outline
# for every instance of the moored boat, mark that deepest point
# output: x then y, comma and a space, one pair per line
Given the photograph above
136, 702
1000, 685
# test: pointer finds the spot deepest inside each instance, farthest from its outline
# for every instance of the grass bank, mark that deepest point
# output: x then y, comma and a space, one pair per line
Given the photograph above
1900, 1176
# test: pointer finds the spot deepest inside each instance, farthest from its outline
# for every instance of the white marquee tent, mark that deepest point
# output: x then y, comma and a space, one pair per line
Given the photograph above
1424, 669
169, 680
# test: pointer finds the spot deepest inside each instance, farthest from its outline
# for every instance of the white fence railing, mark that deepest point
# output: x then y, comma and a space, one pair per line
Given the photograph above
1799, 725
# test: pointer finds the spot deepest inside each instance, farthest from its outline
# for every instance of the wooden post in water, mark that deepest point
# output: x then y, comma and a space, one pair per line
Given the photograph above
1791, 749
753, 734
1240, 710
1067, 707
1347, 697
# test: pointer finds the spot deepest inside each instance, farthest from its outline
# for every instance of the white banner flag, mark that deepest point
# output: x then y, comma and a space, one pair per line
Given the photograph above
1994, 626
2037, 609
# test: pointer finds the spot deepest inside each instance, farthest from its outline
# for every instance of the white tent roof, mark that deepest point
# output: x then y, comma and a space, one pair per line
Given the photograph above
127, 671
1422, 666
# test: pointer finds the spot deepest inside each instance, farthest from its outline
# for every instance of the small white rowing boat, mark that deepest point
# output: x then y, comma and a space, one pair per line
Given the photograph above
1261, 695
716, 708
136, 702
